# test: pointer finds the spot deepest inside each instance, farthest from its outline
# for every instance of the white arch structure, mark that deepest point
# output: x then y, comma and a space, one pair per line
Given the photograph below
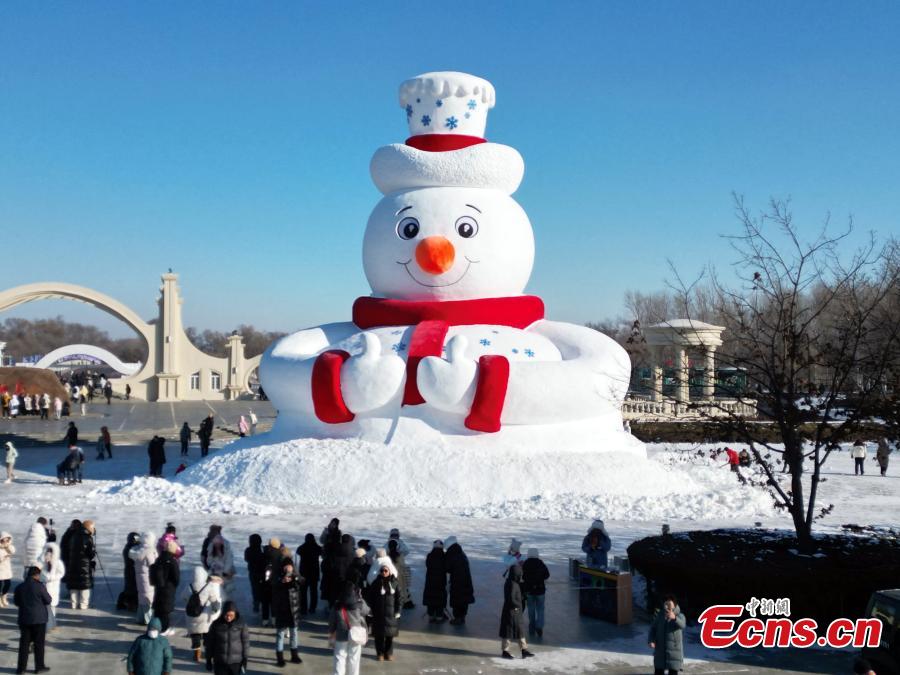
97, 353
172, 360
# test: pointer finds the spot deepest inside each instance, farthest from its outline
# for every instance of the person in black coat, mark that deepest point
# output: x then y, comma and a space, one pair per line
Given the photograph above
80, 565
227, 643
286, 600
462, 592
336, 566
330, 539
534, 583
272, 558
32, 599
256, 568
128, 598
71, 435
383, 598
164, 577
434, 597
359, 568
157, 454
74, 526
309, 553
512, 624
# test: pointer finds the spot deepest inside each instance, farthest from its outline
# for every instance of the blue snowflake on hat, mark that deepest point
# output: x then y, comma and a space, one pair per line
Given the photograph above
451, 122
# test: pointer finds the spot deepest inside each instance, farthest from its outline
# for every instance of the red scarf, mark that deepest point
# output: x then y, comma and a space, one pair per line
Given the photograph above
432, 320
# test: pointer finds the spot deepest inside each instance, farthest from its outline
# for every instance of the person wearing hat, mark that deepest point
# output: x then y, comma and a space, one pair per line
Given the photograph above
383, 597
11, 455
359, 568
462, 591
170, 535
534, 578
52, 572
165, 576
286, 606
227, 643
80, 563
128, 598
404, 577
434, 595
666, 637
596, 545
272, 557
209, 603
150, 653
513, 555
143, 557
32, 599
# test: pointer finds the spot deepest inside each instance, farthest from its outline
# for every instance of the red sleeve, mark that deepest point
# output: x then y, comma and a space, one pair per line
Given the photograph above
328, 401
490, 394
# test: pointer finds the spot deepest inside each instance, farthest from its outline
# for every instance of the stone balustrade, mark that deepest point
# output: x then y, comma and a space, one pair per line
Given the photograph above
643, 408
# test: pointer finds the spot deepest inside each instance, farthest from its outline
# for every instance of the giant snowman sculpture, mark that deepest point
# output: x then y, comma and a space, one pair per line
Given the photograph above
448, 352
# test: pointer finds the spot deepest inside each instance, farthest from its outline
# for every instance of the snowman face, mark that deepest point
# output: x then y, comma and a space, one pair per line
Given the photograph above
448, 243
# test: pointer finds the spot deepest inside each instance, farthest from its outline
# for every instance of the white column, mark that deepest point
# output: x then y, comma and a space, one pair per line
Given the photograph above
682, 372
656, 373
709, 374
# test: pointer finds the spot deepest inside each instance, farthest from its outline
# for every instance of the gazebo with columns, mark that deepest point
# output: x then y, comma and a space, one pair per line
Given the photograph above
683, 336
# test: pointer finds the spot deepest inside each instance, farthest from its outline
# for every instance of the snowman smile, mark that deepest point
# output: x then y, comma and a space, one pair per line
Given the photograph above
412, 276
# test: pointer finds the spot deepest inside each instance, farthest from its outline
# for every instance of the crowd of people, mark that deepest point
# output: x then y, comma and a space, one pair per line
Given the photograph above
80, 390
364, 587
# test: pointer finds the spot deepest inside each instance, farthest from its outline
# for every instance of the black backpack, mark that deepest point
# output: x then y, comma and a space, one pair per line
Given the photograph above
194, 606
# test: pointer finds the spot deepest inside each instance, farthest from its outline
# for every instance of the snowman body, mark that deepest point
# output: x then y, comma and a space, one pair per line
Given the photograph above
448, 345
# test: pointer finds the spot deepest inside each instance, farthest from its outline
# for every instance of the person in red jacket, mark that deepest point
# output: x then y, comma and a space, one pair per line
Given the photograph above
734, 461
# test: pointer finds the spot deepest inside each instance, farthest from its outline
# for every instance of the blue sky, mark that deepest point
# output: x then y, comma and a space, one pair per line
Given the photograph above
231, 141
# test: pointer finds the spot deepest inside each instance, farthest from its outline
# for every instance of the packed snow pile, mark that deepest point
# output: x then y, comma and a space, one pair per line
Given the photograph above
485, 483
149, 491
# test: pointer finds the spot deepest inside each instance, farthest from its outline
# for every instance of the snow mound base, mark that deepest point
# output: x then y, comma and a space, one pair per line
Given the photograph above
546, 484
162, 493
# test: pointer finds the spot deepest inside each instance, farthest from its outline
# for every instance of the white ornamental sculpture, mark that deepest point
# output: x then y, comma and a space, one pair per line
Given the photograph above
448, 346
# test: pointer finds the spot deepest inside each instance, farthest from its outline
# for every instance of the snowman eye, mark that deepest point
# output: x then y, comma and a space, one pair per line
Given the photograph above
408, 228
467, 227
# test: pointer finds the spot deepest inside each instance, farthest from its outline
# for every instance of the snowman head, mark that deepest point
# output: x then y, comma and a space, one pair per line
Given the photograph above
448, 243
447, 227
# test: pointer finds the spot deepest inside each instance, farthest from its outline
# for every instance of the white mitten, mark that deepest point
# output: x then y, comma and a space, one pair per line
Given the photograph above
449, 384
369, 380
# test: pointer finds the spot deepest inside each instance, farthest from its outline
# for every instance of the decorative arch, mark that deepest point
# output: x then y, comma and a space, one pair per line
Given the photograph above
98, 353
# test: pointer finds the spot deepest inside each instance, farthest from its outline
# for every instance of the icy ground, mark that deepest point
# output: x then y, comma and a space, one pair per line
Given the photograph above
674, 486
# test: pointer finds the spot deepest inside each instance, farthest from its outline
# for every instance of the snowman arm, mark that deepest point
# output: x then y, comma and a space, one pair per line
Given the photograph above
591, 379
286, 368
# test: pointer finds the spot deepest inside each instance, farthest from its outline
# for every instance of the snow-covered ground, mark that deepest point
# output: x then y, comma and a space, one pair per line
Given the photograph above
247, 492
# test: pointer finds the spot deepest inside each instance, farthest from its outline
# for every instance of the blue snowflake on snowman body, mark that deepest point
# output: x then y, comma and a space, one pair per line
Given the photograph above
399, 347
529, 353
515, 351
409, 111
472, 104
451, 123
484, 342
426, 120
439, 103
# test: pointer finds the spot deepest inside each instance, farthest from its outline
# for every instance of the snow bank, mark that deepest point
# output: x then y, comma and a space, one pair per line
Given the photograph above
164, 494
525, 484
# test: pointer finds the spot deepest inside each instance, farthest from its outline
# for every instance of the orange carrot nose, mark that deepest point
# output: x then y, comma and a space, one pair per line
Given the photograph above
435, 255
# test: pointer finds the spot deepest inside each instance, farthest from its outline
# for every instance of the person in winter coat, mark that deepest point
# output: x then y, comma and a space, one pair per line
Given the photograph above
128, 598
208, 590
882, 455
227, 643
666, 638
185, 437
359, 569
214, 531
220, 563
287, 590
7, 550
336, 566
165, 576
404, 577
349, 611
512, 626
80, 564
52, 572
71, 435
150, 653
11, 456
434, 596
243, 427
104, 444
308, 555
171, 535
74, 527
462, 591
143, 557
204, 433
513, 555
858, 453
256, 568
34, 543
383, 597
32, 599
596, 545
272, 557
534, 578
156, 451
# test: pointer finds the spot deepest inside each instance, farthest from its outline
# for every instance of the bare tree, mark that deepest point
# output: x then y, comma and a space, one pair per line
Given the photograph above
816, 333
